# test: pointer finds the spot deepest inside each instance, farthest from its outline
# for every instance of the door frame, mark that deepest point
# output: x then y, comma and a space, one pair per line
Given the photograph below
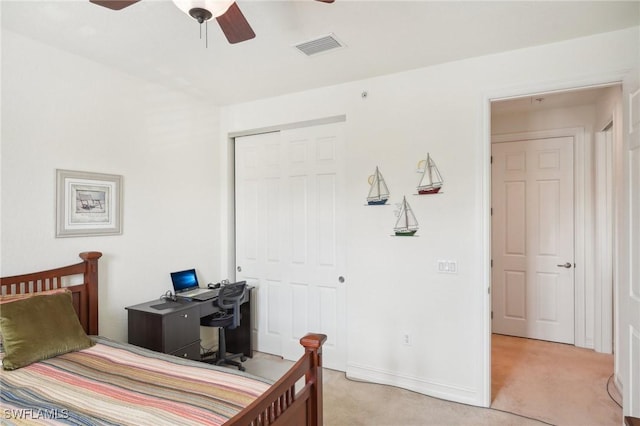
605, 238
581, 219
484, 189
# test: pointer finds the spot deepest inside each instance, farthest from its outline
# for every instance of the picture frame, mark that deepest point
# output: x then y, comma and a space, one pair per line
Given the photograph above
88, 204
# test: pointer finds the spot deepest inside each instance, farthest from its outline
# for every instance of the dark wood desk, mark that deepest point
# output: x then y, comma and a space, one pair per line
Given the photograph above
175, 329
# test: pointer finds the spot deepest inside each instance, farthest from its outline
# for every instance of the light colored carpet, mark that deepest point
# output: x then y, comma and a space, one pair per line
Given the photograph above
350, 403
560, 385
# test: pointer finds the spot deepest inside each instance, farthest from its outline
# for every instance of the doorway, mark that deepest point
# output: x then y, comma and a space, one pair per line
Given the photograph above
581, 114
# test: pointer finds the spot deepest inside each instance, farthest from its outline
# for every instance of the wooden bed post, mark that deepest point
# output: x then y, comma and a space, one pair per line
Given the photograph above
313, 347
91, 280
283, 404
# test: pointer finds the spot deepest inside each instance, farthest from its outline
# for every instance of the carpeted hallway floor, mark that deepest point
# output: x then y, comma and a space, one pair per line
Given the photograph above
557, 384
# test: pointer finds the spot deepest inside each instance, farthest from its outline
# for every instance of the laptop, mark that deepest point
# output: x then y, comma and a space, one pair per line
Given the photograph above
185, 284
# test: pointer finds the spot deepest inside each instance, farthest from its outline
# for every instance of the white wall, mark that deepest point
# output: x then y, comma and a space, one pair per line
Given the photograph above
441, 110
607, 103
546, 119
61, 111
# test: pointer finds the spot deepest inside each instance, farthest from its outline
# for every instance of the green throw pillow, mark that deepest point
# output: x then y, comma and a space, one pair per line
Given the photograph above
38, 328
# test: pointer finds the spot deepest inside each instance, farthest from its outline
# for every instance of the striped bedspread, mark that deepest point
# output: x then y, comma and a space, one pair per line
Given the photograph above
117, 384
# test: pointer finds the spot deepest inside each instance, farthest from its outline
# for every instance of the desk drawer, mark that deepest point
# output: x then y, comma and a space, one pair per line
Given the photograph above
191, 351
181, 329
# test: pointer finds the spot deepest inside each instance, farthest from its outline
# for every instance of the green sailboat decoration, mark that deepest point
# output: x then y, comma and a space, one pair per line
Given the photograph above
407, 224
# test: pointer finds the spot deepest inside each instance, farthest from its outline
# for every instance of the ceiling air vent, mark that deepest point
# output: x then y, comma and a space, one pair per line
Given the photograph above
319, 45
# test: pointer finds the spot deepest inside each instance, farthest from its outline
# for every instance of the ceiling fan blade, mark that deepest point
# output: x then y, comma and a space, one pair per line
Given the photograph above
235, 26
326, 1
114, 4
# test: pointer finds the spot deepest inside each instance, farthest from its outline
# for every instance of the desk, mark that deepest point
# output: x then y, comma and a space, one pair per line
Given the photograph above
175, 330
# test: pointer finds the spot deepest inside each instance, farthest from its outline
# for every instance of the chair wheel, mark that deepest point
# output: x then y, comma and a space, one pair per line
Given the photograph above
243, 358
241, 368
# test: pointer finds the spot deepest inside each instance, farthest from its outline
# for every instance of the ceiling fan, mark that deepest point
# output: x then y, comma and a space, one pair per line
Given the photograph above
231, 20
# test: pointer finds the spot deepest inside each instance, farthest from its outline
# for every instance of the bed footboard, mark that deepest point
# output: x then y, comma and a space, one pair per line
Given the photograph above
282, 405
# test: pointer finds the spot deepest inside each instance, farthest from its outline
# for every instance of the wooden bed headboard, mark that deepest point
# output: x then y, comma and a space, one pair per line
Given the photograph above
85, 295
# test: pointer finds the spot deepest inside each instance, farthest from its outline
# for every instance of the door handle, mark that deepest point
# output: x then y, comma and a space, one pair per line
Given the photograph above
566, 265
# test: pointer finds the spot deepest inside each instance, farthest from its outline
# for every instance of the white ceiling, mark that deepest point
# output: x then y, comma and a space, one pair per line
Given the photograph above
155, 41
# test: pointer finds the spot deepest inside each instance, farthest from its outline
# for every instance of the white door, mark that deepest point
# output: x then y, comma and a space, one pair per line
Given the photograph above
532, 239
629, 291
290, 227
259, 244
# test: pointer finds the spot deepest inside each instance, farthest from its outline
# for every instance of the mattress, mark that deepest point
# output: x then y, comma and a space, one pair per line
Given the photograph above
112, 383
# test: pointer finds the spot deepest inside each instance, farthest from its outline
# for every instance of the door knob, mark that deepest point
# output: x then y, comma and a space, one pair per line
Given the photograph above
566, 265
239, 268
341, 279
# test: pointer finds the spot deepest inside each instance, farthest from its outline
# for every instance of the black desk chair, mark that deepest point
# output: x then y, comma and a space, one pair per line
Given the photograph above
229, 300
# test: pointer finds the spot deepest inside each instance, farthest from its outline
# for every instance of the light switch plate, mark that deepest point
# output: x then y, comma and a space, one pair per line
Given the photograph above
447, 266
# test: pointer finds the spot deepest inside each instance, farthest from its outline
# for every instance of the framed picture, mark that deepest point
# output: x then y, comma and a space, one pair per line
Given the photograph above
88, 204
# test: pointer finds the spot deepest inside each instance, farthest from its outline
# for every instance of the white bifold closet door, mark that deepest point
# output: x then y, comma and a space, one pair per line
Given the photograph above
290, 227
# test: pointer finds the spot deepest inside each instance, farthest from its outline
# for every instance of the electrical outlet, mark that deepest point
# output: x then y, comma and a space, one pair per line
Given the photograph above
406, 339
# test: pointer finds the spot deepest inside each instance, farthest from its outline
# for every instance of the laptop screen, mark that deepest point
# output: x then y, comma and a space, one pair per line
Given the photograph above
184, 280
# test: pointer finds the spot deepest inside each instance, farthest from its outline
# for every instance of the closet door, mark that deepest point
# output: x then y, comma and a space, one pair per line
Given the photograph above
290, 227
259, 196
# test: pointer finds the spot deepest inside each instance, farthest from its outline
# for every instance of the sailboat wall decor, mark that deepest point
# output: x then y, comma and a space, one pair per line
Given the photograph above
406, 225
378, 193
431, 180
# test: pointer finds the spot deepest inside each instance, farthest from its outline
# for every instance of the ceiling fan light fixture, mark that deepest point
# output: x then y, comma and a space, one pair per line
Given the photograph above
200, 15
203, 10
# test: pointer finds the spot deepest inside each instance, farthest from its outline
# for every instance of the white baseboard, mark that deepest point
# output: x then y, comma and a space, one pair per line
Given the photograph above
461, 394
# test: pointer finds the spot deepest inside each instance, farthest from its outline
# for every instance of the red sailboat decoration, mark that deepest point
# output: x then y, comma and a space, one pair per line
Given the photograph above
431, 180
